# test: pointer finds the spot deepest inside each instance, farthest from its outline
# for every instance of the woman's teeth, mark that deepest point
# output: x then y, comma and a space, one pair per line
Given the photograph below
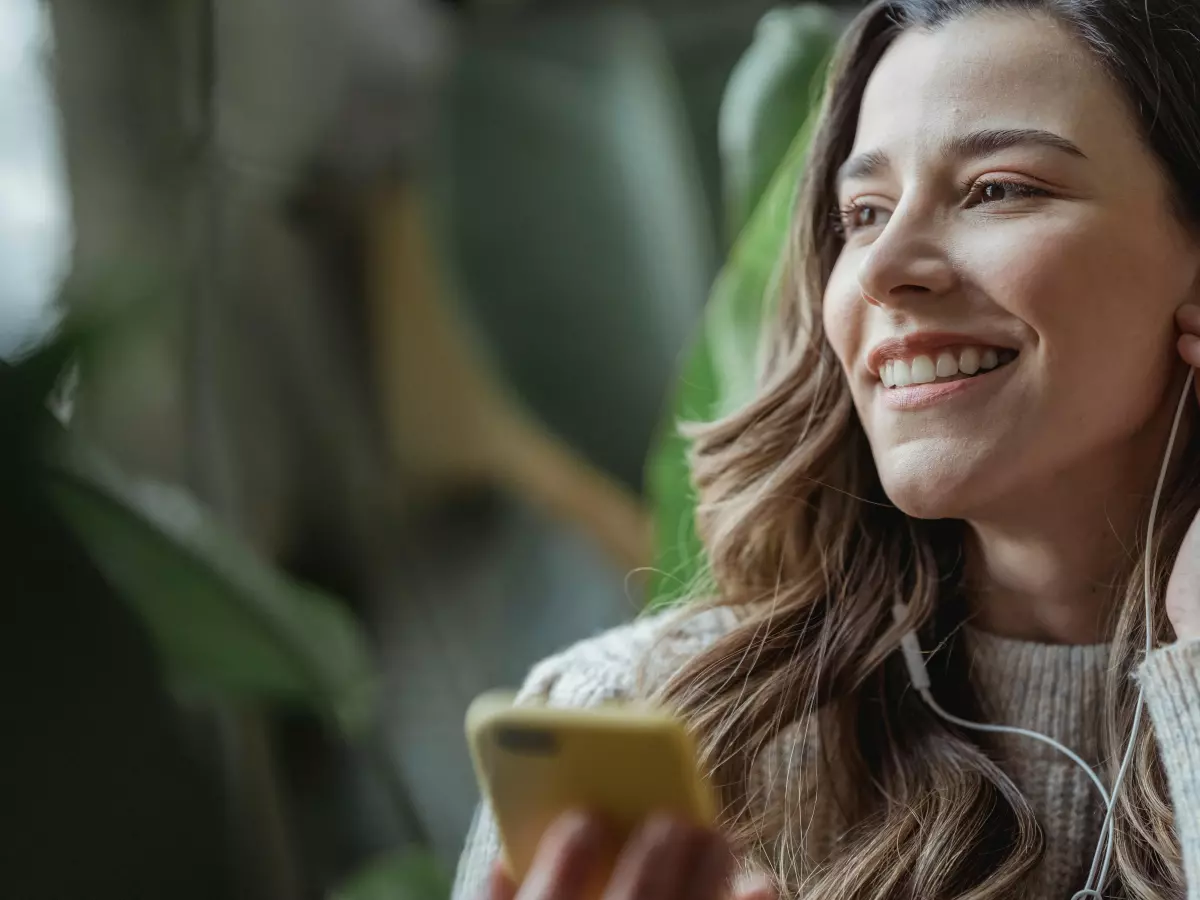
947, 364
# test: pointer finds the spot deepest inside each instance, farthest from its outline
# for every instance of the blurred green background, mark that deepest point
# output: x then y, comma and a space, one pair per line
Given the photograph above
341, 352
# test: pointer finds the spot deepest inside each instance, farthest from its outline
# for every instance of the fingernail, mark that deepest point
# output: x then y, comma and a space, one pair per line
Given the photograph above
755, 885
577, 828
666, 826
577, 823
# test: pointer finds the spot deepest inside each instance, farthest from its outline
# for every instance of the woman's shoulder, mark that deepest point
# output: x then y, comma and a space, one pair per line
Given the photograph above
626, 662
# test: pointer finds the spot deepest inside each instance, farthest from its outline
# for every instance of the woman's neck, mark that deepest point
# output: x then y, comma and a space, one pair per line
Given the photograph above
1052, 585
1045, 566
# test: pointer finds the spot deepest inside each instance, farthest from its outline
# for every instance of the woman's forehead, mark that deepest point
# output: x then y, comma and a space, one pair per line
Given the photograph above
990, 71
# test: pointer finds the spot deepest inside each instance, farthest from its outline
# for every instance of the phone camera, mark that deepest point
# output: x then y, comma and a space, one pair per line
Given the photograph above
533, 741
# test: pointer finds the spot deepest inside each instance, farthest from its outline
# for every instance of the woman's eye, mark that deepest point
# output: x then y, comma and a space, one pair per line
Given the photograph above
994, 192
999, 191
857, 216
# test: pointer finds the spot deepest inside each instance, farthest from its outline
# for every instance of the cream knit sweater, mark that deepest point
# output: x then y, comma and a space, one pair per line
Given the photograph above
1055, 690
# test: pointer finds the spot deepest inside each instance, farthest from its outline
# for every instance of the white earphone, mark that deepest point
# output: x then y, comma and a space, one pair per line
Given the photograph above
915, 662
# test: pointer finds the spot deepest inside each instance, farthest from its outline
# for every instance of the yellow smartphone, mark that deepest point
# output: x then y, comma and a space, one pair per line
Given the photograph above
624, 763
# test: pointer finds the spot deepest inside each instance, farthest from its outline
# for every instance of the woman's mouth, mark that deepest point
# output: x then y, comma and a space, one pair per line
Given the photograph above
947, 365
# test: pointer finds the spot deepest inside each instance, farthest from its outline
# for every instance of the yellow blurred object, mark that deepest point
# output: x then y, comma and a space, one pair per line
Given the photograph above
623, 763
449, 419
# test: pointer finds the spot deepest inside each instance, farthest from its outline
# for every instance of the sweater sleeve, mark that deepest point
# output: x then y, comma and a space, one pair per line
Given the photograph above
1171, 679
601, 670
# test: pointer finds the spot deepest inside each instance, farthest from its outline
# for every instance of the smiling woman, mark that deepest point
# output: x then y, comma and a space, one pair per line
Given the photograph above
972, 379
1012, 208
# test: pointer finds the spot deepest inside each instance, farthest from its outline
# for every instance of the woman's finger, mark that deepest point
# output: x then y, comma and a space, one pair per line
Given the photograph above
565, 858
1187, 317
1189, 349
654, 863
711, 870
500, 885
1182, 601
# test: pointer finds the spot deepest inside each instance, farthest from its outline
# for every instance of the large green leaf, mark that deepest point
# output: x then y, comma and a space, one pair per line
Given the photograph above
768, 97
224, 621
721, 368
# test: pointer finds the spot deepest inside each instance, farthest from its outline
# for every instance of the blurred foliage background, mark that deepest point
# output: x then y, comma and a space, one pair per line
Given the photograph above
342, 349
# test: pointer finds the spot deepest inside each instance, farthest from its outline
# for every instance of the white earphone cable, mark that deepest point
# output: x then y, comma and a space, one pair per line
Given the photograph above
915, 662
1148, 591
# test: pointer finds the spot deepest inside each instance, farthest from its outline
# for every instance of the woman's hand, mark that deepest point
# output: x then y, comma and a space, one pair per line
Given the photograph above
665, 860
1183, 590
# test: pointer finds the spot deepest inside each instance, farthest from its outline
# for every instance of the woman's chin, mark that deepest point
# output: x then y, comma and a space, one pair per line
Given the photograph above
934, 495
941, 478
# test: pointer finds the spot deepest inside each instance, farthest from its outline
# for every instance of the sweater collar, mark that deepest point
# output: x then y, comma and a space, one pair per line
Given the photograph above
1056, 690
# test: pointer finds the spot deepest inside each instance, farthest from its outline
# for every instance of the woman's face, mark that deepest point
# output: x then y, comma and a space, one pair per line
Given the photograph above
1003, 306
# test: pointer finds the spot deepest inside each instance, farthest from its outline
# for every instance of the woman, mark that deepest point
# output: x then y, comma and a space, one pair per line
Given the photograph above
971, 385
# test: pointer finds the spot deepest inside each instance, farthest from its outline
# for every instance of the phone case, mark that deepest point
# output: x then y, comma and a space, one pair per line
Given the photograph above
623, 762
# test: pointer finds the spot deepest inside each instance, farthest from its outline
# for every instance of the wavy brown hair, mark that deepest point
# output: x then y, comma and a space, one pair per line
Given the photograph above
802, 539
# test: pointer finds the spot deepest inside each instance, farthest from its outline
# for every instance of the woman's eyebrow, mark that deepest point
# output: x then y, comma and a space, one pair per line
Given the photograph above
966, 146
986, 142
863, 165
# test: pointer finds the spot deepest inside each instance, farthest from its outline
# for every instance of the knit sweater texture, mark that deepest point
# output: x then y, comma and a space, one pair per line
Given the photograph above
1052, 689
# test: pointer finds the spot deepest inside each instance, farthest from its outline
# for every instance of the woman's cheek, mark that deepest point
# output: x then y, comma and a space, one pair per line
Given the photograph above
842, 315
1075, 271
1026, 268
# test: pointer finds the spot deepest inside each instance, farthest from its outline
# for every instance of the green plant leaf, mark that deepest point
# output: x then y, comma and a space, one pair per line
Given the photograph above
409, 875
767, 99
721, 368
678, 559
224, 621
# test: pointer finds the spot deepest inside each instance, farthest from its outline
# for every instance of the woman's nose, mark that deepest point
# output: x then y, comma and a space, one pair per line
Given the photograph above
906, 263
